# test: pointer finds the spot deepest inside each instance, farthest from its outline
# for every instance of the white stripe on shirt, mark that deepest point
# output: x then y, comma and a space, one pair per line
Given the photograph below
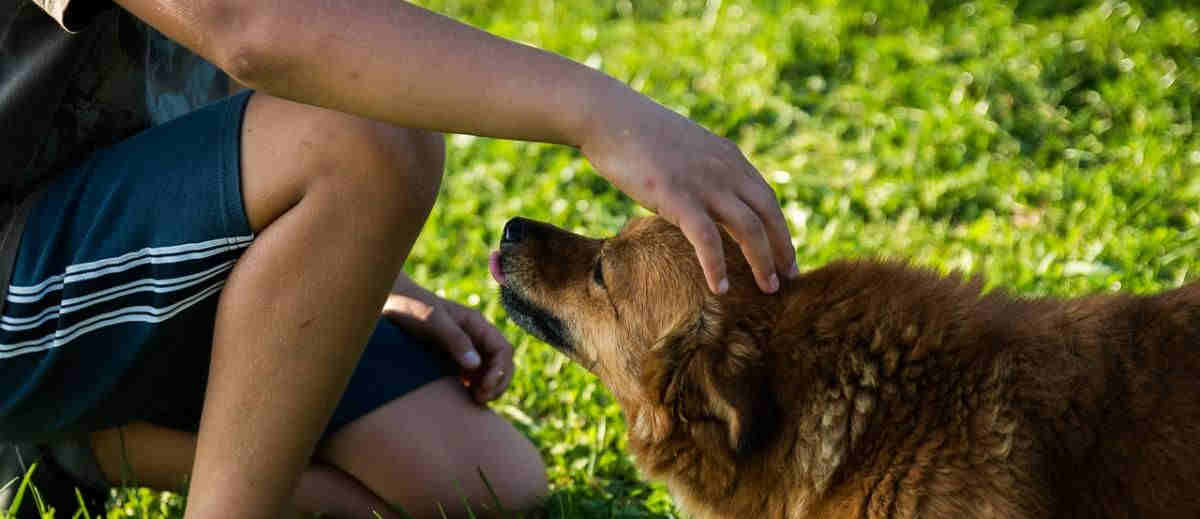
143, 314
152, 255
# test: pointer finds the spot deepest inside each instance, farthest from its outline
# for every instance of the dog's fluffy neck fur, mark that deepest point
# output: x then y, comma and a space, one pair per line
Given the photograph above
860, 369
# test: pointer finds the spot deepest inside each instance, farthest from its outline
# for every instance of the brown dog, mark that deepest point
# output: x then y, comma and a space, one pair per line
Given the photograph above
868, 389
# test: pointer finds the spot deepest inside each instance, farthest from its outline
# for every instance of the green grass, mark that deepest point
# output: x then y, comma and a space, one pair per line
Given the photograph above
1047, 145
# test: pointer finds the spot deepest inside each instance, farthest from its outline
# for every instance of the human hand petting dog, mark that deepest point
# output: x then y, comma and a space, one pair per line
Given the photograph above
693, 179
483, 353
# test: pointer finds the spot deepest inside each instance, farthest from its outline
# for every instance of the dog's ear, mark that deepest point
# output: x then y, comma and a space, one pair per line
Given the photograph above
653, 421
733, 389
721, 383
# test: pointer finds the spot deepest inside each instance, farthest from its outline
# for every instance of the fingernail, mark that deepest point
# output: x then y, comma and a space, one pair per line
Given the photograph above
794, 272
773, 282
723, 286
471, 360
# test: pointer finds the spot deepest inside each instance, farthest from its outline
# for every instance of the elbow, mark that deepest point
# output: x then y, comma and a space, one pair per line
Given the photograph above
248, 40
250, 64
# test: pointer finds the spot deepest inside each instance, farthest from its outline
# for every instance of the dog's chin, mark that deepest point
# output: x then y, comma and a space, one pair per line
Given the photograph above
535, 319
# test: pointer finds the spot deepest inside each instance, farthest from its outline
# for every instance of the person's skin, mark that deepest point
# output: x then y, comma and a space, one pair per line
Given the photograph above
313, 176
334, 226
464, 436
392, 61
432, 461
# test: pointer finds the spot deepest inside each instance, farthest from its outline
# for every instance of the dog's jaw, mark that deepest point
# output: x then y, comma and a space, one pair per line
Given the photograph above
535, 319
529, 316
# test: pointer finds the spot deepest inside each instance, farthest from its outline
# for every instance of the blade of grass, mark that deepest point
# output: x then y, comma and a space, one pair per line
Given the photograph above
463, 495
38, 502
16, 504
82, 505
397, 509
492, 492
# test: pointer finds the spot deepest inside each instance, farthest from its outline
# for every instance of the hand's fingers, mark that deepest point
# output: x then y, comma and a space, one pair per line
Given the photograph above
458, 343
494, 346
498, 377
500, 366
765, 204
748, 231
437, 325
486, 391
704, 236
487, 337
505, 378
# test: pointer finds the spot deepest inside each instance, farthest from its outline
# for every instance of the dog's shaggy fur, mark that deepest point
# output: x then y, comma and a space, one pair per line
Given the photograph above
872, 389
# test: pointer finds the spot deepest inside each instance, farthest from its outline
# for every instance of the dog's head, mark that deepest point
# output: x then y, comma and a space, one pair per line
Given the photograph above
634, 309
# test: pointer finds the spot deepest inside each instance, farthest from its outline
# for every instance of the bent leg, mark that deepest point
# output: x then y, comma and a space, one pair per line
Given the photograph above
427, 448
126, 255
404, 422
161, 458
336, 204
420, 451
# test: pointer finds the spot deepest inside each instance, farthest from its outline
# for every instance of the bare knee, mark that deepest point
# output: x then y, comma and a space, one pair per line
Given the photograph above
491, 464
514, 469
364, 168
429, 448
401, 167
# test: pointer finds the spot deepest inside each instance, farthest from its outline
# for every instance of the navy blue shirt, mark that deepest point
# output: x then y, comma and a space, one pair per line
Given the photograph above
76, 76
79, 75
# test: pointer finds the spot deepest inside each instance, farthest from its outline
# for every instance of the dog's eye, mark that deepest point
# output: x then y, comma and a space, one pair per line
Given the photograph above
598, 273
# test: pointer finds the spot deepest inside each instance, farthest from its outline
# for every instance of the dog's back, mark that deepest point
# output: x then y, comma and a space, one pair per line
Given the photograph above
1141, 458
999, 406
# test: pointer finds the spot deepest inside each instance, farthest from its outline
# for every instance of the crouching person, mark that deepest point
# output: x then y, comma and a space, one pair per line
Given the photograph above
193, 282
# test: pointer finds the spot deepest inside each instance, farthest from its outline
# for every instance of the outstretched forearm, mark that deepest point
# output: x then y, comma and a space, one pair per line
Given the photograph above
395, 62
392, 61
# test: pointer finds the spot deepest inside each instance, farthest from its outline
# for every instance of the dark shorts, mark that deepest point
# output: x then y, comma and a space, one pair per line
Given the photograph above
111, 306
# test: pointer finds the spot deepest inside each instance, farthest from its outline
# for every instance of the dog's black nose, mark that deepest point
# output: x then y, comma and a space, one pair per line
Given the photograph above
514, 230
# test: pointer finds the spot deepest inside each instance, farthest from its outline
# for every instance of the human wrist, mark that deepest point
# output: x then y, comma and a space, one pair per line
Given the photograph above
604, 102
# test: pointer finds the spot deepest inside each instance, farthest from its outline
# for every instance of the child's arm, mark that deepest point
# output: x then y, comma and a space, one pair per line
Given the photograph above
396, 62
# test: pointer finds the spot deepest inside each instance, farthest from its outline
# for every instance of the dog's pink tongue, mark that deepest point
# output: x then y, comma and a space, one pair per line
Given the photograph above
494, 266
